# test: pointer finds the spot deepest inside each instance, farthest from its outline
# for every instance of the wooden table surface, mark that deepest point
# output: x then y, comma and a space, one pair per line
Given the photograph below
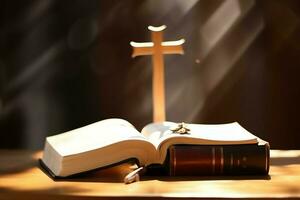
21, 178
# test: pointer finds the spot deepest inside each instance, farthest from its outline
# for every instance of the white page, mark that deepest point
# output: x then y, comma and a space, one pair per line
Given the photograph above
231, 133
94, 136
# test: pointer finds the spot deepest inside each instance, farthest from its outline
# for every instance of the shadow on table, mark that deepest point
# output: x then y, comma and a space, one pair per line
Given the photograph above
13, 162
206, 178
117, 173
54, 192
282, 157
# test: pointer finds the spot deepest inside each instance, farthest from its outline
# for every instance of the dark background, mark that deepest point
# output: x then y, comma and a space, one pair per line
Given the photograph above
67, 63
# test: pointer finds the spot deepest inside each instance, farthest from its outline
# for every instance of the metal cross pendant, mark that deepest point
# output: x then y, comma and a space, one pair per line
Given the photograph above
181, 128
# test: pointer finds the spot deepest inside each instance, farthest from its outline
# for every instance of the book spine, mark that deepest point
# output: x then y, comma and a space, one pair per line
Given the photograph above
203, 160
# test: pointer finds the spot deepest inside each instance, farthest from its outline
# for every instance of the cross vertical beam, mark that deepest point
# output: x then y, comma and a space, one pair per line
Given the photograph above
158, 80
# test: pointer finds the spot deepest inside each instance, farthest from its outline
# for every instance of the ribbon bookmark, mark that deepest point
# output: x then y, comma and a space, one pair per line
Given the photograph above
134, 176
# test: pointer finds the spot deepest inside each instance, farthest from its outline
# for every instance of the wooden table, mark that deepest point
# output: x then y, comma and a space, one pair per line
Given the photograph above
21, 178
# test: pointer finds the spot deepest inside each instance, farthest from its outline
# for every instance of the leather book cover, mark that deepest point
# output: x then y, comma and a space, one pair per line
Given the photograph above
247, 159
46, 170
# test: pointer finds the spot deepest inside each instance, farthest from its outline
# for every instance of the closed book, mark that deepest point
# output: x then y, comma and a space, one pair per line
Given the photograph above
204, 160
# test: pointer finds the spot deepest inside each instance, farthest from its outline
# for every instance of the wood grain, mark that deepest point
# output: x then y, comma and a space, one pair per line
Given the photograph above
21, 178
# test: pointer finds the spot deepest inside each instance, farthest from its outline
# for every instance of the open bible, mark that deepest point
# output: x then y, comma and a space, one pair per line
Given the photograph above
111, 141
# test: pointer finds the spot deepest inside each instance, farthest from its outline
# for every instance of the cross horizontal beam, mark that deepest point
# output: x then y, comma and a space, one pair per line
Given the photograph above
146, 48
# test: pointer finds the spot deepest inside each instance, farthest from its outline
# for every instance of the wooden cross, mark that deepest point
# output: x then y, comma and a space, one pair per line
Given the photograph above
157, 48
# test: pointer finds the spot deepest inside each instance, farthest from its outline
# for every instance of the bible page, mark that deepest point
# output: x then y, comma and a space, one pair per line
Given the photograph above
94, 136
